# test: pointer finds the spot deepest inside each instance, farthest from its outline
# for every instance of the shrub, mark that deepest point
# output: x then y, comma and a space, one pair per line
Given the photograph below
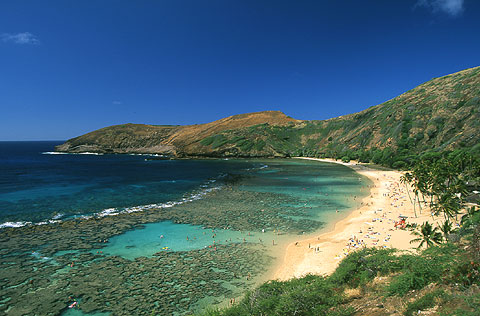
426, 301
421, 270
399, 164
362, 266
207, 141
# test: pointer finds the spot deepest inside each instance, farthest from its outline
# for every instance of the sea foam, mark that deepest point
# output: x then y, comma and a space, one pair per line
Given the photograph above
62, 153
14, 224
197, 195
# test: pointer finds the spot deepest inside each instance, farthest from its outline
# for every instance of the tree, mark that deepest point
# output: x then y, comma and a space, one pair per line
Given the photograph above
427, 236
443, 181
446, 229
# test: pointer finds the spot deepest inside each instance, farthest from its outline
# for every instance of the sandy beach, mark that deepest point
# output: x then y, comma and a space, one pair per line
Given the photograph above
371, 225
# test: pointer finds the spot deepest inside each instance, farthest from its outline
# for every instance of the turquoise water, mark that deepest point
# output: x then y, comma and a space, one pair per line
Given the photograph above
157, 254
319, 188
168, 236
78, 312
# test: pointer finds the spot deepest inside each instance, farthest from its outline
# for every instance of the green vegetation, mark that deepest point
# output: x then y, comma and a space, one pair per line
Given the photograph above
447, 268
441, 114
445, 181
427, 301
443, 275
433, 272
427, 236
431, 130
393, 134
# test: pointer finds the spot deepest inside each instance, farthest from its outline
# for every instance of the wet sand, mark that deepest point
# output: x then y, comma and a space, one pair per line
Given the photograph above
371, 225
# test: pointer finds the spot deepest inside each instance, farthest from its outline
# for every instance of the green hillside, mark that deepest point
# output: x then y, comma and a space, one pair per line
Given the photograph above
441, 278
441, 114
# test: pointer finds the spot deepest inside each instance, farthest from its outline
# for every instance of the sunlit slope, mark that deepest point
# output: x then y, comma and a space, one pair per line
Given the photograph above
174, 140
442, 113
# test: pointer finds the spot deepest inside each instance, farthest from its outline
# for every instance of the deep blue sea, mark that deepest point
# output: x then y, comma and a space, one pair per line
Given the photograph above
37, 185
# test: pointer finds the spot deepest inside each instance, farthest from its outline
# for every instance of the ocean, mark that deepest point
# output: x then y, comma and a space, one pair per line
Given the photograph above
124, 233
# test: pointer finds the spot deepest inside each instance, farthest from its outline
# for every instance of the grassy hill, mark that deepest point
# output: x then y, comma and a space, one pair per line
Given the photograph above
440, 114
169, 139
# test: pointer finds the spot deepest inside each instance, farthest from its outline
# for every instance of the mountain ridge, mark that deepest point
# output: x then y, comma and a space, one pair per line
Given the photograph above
442, 113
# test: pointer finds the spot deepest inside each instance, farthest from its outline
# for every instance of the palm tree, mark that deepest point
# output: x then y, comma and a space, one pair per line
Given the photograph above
446, 229
427, 236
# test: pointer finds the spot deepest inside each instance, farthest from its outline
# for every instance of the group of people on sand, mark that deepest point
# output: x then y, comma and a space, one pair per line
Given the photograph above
402, 223
352, 244
372, 236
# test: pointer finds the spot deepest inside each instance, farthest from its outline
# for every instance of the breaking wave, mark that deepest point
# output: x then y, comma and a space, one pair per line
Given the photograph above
205, 188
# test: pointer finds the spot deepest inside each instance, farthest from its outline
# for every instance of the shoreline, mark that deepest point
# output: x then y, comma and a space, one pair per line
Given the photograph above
371, 225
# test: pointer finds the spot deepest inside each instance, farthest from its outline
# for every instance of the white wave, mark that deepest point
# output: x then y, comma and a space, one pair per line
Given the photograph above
89, 153
193, 197
14, 224
116, 211
50, 221
38, 255
53, 153
58, 216
108, 212
148, 155
62, 153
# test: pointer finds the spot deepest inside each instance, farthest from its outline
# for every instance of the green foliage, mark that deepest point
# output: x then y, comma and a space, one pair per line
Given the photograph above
432, 265
377, 156
245, 145
214, 141
442, 180
362, 266
259, 145
427, 236
310, 295
426, 301
207, 141
399, 165
470, 220
219, 140
446, 264
446, 229
471, 306
236, 139
413, 279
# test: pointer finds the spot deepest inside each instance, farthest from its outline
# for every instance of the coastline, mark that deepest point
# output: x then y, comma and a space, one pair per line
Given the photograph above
372, 225
85, 251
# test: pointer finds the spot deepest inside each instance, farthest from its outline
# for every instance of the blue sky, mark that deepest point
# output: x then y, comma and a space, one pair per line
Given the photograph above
70, 67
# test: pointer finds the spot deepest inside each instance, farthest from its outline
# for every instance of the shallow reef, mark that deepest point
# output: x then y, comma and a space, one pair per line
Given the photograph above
44, 268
